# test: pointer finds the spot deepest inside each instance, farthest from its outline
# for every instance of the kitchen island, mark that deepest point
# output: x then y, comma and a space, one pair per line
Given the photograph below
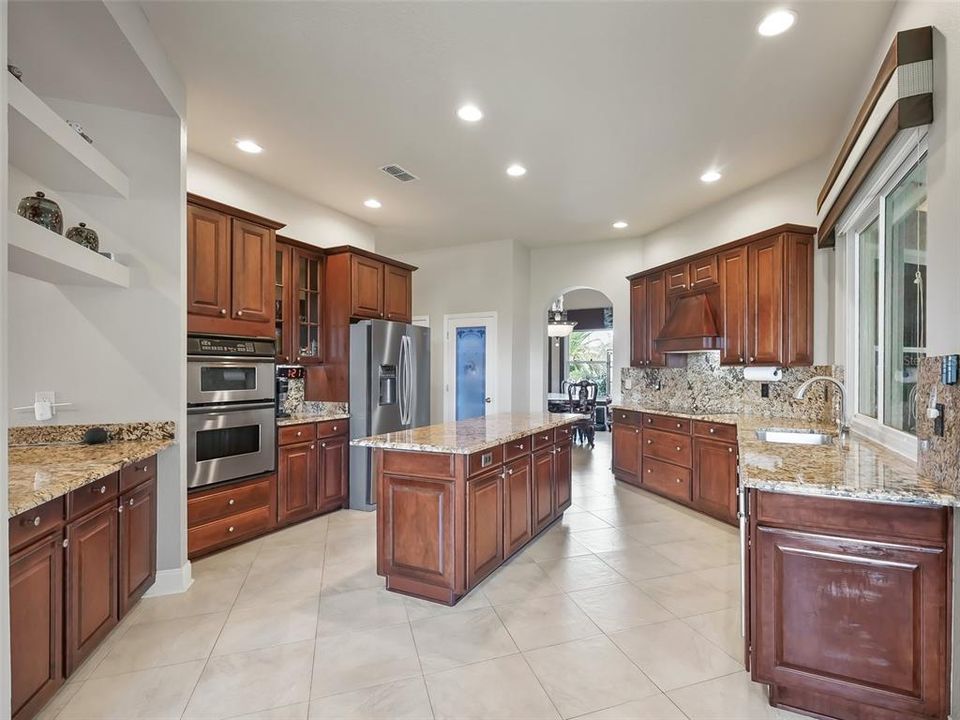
456, 500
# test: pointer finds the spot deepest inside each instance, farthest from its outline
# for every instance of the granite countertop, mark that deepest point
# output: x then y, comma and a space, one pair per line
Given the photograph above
723, 418
302, 418
40, 473
468, 436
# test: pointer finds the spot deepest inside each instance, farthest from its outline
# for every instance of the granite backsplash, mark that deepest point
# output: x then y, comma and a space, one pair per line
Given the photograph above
938, 457
117, 432
706, 386
297, 405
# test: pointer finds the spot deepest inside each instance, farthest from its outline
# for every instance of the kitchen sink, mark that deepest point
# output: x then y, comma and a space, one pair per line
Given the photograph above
795, 437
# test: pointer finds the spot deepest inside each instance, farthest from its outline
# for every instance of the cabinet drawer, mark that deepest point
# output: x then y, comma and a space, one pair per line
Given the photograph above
667, 479
92, 496
229, 530
329, 428
296, 433
542, 439
677, 279
139, 472
230, 501
34, 523
704, 272
667, 446
516, 448
564, 433
715, 430
627, 417
665, 422
483, 460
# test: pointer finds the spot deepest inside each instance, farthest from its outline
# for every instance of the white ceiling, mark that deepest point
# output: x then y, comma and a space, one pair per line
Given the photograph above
615, 108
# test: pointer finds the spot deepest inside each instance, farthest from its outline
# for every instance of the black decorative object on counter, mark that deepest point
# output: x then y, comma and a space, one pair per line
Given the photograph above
43, 211
82, 235
95, 436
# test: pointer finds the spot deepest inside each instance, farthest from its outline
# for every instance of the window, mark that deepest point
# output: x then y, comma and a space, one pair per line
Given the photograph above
591, 358
890, 247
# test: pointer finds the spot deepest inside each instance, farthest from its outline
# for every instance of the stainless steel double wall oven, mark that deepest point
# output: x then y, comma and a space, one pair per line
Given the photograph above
231, 411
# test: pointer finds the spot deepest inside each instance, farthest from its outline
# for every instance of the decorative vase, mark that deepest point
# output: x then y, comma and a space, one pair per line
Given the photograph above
43, 211
82, 235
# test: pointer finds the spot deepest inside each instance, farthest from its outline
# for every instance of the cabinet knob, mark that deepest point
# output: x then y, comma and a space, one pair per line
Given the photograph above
334, 428
679, 425
299, 433
120, 507
145, 468
230, 529
649, 471
520, 446
102, 490
298, 358
509, 471
679, 480
712, 431
36, 521
130, 503
389, 315
678, 448
502, 475
649, 442
741, 358
313, 447
729, 450
649, 421
637, 432
751, 358
323, 444
239, 313
66, 542
223, 311
231, 501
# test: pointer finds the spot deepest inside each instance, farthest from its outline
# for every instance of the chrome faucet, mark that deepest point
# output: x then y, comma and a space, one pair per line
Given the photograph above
842, 427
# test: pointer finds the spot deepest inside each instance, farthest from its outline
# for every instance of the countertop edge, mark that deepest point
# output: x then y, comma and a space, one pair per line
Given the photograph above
96, 472
307, 419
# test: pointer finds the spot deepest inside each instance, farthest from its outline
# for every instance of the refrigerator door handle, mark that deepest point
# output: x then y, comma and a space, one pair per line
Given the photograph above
404, 380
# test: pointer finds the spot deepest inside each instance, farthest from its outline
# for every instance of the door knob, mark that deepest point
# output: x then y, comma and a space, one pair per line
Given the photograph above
487, 400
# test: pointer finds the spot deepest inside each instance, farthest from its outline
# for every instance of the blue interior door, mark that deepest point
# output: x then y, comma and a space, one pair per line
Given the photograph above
471, 360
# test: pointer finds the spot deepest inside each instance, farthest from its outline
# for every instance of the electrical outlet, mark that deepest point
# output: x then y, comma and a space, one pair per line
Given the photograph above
49, 396
765, 390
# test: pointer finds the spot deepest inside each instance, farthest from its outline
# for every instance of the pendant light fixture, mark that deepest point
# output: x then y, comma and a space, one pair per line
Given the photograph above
557, 324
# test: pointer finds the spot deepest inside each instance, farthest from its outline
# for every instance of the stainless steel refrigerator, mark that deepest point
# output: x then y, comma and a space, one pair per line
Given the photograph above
389, 391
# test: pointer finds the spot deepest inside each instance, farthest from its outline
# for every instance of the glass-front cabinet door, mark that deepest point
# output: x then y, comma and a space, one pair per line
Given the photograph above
307, 332
281, 302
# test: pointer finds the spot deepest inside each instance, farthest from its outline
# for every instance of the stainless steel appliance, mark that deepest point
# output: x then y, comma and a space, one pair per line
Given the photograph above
389, 391
231, 423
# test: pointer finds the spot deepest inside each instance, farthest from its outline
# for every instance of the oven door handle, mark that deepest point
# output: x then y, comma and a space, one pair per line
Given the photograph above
220, 409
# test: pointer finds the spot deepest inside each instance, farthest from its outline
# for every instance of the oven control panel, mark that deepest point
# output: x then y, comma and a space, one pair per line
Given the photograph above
238, 347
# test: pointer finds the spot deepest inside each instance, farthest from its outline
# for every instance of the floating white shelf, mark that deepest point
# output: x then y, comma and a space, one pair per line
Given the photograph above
39, 253
44, 147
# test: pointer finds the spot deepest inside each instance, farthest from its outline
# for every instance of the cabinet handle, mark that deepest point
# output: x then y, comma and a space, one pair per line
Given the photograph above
36, 521
145, 468
223, 311
520, 446
230, 529
239, 313
231, 501
102, 490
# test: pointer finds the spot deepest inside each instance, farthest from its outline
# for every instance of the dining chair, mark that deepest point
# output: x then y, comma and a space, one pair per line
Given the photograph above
582, 396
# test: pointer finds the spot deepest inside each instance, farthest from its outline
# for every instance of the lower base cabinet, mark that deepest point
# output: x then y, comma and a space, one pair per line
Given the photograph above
297, 480
849, 606
715, 478
484, 525
78, 564
543, 474
517, 505
626, 451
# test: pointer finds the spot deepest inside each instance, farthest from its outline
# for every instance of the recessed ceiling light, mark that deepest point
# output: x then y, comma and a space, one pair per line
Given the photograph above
620, 224
516, 170
248, 146
711, 176
469, 113
777, 22
372, 203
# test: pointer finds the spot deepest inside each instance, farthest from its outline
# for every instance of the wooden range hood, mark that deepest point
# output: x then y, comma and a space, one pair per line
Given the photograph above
690, 327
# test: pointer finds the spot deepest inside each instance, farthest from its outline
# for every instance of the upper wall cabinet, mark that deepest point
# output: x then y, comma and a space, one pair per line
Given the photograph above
231, 262
298, 286
759, 287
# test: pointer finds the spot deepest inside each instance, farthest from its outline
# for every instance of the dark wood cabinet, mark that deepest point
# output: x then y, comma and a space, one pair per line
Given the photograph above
759, 289
282, 301
626, 452
397, 294
733, 306
563, 477
297, 482
639, 347
92, 589
36, 624
715, 478
225, 515
138, 543
517, 505
484, 525
366, 287
849, 608
334, 475
298, 288
231, 264
208, 262
543, 474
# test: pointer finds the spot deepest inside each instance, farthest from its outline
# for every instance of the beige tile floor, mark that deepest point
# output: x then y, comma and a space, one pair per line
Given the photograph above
626, 609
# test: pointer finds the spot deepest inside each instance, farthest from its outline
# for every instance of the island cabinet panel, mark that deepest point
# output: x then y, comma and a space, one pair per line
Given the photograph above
543, 472
563, 477
484, 525
92, 586
715, 478
36, 624
846, 625
626, 452
138, 543
517, 505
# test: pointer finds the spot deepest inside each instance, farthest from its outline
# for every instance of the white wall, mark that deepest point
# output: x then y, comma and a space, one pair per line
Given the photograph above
474, 278
4, 400
305, 220
603, 266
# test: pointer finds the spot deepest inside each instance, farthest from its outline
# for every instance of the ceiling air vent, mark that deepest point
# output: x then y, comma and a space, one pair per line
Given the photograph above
397, 172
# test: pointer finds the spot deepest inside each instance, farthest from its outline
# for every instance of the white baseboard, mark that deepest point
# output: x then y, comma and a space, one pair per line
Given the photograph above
171, 582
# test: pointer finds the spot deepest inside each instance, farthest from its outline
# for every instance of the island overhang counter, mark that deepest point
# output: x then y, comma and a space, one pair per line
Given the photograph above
456, 500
